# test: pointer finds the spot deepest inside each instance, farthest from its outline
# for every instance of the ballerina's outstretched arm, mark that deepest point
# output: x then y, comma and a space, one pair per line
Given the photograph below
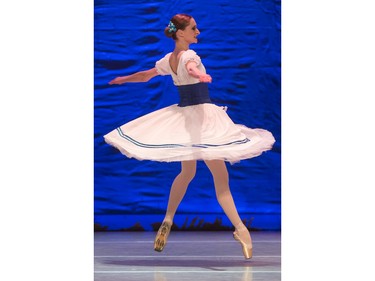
141, 76
195, 72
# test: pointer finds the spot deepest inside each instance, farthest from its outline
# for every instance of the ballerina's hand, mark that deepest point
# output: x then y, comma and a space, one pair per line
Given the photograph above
205, 78
117, 80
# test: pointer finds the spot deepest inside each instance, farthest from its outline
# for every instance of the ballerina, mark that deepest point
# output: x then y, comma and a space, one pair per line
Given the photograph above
195, 129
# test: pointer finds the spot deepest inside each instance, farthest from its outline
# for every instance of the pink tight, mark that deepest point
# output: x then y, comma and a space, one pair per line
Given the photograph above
221, 181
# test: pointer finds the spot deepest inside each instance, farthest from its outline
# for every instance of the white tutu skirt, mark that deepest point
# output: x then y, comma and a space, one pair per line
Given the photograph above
196, 132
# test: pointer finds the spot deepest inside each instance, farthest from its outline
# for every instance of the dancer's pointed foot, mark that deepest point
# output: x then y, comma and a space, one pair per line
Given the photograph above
243, 236
162, 236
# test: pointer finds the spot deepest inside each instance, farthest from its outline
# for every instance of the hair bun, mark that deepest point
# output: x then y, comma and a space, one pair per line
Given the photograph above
167, 33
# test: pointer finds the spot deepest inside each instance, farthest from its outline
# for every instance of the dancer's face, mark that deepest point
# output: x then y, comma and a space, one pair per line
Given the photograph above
191, 32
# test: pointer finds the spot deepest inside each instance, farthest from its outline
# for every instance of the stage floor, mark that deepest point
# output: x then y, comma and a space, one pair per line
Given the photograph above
188, 255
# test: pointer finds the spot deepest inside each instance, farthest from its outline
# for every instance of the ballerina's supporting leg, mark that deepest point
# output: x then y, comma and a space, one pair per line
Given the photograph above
221, 180
178, 190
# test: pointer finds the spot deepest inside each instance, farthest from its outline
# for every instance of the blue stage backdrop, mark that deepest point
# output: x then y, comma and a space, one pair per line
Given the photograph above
240, 45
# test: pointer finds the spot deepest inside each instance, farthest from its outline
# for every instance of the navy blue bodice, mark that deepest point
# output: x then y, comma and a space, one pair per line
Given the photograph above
193, 94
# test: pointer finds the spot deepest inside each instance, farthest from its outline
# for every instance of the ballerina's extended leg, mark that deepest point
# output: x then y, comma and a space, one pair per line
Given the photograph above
224, 196
178, 190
